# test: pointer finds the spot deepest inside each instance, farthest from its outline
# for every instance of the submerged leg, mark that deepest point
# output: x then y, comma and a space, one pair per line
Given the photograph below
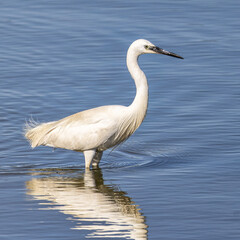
96, 159
89, 155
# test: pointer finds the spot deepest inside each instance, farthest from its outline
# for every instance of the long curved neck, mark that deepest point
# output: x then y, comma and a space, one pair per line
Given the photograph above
140, 102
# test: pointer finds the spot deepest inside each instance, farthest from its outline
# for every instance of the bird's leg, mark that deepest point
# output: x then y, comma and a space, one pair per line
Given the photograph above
96, 159
89, 155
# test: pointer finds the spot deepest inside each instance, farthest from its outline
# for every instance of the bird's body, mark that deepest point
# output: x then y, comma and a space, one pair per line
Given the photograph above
95, 130
98, 128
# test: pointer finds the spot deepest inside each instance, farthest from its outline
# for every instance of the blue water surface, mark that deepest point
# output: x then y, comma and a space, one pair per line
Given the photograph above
178, 176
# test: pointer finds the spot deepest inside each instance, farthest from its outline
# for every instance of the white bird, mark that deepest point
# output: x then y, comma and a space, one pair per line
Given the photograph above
95, 130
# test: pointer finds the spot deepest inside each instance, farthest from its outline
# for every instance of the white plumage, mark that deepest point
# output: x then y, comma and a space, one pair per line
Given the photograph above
95, 130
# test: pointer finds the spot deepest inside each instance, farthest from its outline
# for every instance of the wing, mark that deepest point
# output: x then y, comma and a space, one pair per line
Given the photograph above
85, 130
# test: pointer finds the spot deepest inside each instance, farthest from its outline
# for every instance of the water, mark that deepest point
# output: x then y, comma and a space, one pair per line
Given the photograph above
177, 177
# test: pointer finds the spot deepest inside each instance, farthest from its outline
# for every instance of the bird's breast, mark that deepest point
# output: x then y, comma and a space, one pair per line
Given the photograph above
124, 129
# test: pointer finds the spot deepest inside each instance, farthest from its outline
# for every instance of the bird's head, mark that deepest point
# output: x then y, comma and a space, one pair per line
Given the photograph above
142, 46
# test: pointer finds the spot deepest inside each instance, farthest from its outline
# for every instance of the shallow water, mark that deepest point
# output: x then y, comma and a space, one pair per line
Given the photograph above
177, 177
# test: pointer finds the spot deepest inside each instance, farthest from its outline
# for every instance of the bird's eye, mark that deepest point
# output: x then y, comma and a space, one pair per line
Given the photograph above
146, 47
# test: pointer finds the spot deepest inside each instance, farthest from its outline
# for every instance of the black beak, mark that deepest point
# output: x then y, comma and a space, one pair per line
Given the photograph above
162, 51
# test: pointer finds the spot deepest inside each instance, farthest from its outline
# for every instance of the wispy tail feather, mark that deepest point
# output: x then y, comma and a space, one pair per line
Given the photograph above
36, 132
30, 124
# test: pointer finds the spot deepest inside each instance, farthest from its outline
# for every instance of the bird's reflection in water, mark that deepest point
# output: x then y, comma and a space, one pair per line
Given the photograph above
101, 208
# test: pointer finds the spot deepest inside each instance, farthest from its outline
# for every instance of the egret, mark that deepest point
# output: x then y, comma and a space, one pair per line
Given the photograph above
95, 130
